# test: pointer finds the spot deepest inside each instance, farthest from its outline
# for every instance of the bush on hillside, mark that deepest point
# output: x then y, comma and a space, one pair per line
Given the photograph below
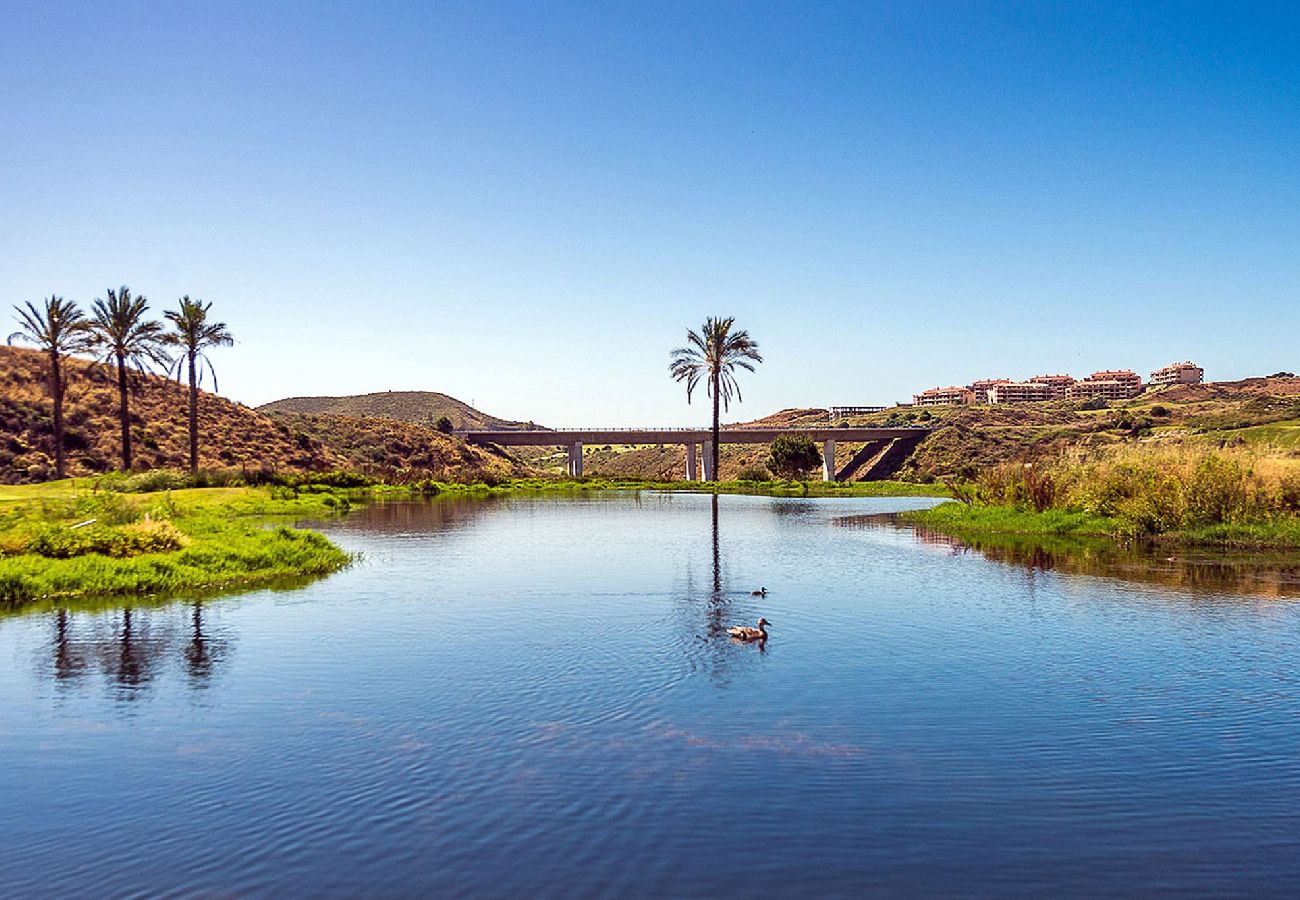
793, 456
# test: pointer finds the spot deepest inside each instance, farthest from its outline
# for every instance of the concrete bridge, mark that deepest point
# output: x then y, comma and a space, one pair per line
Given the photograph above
701, 438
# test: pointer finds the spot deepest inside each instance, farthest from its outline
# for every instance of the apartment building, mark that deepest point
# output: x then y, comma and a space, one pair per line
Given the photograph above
981, 388
1185, 372
1115, 384
1058, 386
944, 396
1020, 392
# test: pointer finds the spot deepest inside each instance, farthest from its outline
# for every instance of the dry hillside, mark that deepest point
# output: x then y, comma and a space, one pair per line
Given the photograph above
231, 435
395, 450
417, 407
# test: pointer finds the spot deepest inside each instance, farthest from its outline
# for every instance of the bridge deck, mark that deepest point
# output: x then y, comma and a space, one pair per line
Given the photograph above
601, 436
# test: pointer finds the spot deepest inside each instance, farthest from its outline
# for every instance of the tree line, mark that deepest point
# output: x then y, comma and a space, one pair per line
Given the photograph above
119, 332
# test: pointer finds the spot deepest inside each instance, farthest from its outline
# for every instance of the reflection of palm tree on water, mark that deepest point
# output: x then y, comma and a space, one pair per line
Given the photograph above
67, 664
130, 652
712, 651
198, 656
131, 669
717, 600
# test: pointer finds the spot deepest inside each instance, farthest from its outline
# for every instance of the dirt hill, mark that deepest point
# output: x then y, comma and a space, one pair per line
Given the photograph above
418, 407
396, 451
231, 435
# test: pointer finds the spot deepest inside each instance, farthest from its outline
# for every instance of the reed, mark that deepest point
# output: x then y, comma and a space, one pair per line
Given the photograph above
1230, 497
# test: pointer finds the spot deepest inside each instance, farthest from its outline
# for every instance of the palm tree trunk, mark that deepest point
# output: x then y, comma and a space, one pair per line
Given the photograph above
56, 388
124, 412
194, 420
715, 379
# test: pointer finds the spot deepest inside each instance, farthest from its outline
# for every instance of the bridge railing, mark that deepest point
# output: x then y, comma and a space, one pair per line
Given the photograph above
684, 429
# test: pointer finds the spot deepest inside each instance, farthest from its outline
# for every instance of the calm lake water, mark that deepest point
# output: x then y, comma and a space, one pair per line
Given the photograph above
537, 697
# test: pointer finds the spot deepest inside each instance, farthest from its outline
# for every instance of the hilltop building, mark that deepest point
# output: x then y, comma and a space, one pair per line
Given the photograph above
1058, 386
1019, 392
981, 388
1110, 384
944, 396
1185, 372
1116, 384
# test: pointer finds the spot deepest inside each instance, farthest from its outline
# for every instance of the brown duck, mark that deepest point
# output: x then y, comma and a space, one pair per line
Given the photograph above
745, 633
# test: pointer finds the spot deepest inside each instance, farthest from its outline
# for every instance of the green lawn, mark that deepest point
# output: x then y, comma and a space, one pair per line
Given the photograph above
63, 540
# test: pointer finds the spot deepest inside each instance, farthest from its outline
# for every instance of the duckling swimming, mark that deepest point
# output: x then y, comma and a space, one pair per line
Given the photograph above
745, 633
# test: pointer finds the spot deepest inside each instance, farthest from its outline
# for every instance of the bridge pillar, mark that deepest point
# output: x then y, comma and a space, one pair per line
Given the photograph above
575, 459
828, 460
709, 474
690, 462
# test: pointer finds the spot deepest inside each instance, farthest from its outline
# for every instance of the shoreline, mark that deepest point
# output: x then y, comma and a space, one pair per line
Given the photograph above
961, 520
72, 541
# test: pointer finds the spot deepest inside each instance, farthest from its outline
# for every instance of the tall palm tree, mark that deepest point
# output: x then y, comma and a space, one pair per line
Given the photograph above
57, 331
194, 334
714, 354
124, 337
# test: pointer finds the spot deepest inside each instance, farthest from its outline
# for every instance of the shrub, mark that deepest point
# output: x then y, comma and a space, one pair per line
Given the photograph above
1288, 493
444, 425
339, 478
61, 542
15, 588
1216, 493
753, 473
793, 456
218, 478
156, 480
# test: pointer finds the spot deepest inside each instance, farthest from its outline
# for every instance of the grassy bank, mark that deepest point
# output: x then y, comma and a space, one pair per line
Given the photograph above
66, 539
116, 537
1224, 499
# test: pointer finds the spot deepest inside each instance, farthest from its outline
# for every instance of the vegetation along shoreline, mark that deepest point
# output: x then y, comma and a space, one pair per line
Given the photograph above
154, 534
1212, 499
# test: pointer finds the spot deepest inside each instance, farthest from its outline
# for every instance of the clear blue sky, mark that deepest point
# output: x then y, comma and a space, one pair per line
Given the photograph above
526, 205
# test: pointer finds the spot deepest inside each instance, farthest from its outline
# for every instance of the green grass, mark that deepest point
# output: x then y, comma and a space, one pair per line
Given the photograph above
1277, 434
215, 539
959, 520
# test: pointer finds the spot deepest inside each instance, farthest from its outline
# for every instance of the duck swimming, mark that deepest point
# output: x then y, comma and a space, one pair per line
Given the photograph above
745, 633
761, 592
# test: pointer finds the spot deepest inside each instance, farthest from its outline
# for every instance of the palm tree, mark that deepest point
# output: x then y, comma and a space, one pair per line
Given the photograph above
194, 334
124, 337
714, 354
57, 331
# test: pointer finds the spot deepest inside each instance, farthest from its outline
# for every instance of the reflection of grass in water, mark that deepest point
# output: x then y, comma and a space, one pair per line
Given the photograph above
104, 602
